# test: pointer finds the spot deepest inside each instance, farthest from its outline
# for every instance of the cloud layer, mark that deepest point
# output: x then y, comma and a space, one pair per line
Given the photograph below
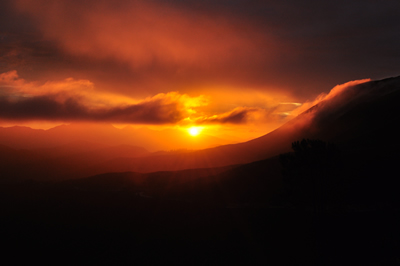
141, 32
78, 100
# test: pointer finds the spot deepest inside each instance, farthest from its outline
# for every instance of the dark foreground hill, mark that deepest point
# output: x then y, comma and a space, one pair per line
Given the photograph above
233, 215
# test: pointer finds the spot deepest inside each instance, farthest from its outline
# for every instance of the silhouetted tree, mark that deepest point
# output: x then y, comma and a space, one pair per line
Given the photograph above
309, 171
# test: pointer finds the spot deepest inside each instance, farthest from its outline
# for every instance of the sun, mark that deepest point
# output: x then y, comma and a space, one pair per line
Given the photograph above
194, 131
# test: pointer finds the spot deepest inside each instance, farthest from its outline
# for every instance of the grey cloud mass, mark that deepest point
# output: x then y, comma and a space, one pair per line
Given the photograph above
47, 108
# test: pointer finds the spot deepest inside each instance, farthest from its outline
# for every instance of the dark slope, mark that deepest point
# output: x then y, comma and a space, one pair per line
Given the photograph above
59, 163
237, 184
199, 217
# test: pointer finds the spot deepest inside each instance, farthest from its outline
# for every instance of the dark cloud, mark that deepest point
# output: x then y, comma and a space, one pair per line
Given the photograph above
237, 116
47, 108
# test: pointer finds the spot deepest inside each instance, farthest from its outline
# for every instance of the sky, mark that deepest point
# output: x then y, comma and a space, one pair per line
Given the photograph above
242, 67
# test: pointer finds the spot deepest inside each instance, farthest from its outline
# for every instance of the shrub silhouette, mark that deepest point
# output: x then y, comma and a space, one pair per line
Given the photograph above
309, 172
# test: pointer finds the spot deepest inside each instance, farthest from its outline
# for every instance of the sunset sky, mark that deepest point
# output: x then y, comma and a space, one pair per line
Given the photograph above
230, 67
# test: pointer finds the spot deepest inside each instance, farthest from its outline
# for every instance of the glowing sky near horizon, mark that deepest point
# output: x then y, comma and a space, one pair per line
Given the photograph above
237, 68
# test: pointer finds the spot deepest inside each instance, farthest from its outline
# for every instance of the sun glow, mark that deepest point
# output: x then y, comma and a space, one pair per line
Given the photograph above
194, 131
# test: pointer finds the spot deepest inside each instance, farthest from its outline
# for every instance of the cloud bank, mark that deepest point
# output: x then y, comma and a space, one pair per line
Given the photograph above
78, 100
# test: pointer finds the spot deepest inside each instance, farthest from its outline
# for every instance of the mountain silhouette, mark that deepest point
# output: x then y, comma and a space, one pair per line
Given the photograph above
18, 137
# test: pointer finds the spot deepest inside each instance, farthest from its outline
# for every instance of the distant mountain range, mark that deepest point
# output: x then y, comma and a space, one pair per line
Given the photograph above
105, 135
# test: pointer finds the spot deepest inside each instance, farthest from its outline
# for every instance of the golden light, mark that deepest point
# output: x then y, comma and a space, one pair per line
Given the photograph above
194, 131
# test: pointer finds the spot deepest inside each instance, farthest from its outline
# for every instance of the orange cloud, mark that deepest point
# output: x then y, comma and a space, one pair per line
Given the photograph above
77, 100
337, 91
274, 114
10, 79
142, 32
238, 115
155, 111
328, 108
